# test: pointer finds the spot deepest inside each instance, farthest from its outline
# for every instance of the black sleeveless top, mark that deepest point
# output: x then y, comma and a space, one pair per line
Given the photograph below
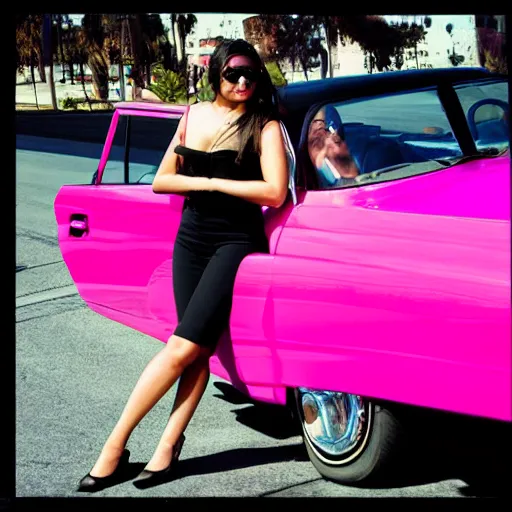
220, 164
231, 214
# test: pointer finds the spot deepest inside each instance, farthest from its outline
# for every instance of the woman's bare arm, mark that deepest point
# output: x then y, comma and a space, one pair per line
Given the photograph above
167, 181
272, 190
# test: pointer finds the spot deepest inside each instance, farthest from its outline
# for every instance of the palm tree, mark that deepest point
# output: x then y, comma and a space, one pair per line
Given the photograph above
331, 37
76, 53
29, 50
25, 49
174, 40
153, 43
49, 50
92, 37
185, 24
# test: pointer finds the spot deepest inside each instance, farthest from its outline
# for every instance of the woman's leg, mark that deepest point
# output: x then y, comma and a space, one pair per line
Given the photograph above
205, 318
191, 387
165, 368
156, 379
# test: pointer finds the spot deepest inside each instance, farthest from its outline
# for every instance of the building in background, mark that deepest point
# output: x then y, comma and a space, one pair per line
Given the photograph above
491, 35
440, 48
211, 28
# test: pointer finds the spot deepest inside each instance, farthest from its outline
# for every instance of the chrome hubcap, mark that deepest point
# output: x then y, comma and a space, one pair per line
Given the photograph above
336, 423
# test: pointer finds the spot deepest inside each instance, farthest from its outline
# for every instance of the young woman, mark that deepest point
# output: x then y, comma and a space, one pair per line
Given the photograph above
228, 158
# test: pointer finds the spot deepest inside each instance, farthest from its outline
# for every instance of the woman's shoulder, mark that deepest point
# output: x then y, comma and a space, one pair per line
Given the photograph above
202, 106
270, 125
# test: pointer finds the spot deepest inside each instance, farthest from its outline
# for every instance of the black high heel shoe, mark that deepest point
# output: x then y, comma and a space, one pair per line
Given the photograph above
91, 483
149, 478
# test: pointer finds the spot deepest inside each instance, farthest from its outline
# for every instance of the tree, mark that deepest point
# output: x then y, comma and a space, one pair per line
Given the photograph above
185, 24
66, 55
120, 39
492, 49
294, 38
75, 53
331, 39
92, 37
379, 40
174, 42
35, 47
333, 26
49, 53
454, 58
299, 39
406, 36
29, 46
153, 43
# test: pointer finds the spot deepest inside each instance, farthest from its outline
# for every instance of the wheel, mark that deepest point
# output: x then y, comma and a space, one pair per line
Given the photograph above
348, 439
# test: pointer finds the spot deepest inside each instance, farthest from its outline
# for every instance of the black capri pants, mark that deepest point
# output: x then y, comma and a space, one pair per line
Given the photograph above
203, 281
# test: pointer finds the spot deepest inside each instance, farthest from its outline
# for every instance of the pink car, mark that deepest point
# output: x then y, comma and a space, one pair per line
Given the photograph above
388, 277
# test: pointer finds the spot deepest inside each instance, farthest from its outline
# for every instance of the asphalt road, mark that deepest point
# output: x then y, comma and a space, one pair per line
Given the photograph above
75, 370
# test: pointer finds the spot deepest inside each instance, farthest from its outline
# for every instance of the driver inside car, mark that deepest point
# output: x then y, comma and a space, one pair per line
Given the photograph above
328, 150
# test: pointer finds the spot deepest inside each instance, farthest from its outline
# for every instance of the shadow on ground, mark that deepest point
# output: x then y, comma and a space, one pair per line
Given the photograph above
439, 447
59, 146
271, 420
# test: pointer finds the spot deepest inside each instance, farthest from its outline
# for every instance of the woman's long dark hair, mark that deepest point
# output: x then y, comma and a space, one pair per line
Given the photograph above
261, 107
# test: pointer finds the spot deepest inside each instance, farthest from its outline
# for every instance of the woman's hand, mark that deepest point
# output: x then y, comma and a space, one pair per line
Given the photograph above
272, 190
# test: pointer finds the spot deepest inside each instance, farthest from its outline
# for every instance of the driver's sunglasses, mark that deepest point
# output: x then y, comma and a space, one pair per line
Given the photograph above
233, 75
329, 129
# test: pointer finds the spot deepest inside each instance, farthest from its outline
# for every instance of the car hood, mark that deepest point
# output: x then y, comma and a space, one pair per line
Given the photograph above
476, 189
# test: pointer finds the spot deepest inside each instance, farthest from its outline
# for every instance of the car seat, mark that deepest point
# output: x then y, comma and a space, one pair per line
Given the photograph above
379, 153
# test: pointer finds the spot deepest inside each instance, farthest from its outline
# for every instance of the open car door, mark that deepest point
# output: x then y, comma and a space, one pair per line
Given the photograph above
116, 235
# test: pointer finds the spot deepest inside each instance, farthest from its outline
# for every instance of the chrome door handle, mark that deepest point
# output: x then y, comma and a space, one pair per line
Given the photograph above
78, 225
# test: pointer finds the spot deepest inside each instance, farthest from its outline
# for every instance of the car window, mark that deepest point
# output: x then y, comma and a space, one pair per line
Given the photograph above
348, 140
486, 106
149, 138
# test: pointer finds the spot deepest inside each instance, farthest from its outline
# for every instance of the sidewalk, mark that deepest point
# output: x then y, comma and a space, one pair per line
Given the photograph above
25, 93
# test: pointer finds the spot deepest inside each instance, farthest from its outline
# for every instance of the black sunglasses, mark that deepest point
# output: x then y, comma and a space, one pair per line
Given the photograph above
233, 75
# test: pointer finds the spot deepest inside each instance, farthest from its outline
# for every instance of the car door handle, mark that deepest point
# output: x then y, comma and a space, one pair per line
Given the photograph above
78, 225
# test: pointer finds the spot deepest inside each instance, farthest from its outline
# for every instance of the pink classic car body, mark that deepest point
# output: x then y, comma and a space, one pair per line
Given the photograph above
397, 290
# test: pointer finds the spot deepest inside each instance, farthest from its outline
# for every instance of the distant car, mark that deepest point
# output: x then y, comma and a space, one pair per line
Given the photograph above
388, 277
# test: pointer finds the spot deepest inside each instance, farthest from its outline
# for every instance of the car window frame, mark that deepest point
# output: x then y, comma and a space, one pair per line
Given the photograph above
450, 103
302, 153
113, 127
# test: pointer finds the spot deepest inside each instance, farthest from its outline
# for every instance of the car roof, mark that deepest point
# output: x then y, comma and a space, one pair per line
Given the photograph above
151, 106
300, 96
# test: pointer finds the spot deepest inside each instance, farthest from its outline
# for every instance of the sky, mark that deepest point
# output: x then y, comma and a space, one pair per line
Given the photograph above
211, 21
205, 21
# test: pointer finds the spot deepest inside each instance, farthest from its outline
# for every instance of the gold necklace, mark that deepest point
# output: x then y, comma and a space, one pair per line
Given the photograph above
227, 119
220, 133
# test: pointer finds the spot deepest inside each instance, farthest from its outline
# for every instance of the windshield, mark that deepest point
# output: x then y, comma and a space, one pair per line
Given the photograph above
398, 135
